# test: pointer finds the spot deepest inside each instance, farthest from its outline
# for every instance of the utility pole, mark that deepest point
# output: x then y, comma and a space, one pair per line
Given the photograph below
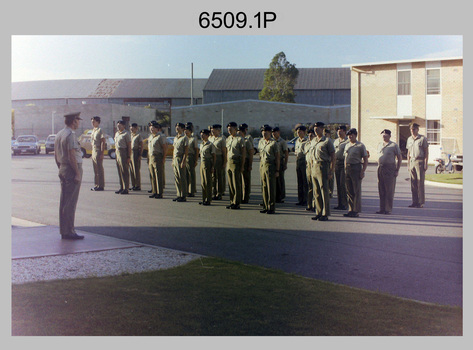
192, 84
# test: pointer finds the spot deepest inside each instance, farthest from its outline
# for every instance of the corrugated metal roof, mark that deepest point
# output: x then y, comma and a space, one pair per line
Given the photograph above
107, 88
253, 79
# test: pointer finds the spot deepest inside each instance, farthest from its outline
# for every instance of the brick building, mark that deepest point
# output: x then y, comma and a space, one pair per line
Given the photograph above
391, 95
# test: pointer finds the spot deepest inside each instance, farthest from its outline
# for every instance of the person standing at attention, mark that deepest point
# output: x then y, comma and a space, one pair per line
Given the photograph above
417, 163
123, 153
68, 157
97, 138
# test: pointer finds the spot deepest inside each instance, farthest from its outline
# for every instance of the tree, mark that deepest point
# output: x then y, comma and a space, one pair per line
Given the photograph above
279, 80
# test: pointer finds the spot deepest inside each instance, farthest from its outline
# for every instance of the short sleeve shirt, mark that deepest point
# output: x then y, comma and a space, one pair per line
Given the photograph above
268, 151
180, 144
122, 138
282, 144
207, 150
354, 152
339, 145
65, 141
192, 145
156, 143
322, 149
417, 147
136, 142
299, 147
249, 145
388, 153
235, 147
96, 138
219, 143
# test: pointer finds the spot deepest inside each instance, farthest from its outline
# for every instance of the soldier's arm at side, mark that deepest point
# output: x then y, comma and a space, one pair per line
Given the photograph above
72, 161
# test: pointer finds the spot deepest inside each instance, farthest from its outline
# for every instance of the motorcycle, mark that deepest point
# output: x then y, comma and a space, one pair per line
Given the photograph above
441, 167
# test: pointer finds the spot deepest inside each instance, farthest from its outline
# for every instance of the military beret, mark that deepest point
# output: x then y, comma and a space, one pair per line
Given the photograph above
352, 131
181, 125
319, 125
276, 128
205, 131
96, 118
232, 124
386, 131
216, 126
266, 127
301, 127
243, 126
342, 127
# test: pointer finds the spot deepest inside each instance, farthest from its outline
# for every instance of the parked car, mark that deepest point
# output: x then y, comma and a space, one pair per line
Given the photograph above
86, 145
291, 145
49, 143
26, 144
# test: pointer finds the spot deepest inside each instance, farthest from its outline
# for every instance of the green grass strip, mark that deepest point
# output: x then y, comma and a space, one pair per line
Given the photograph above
455, 178
216, 297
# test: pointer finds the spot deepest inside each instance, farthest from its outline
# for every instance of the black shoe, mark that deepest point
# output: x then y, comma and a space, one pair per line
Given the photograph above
153, 196
387, 212
150, 191
175, 199
229, 206
74, 236
381, 212
317, 217
137, 189
158, 196
414, 205
124, 192
261, 204
93, 188
201, 203
97, 189
264, 211
244, 202
270, 212
119, 191
235, 206
323, 218
351, 214
308, 209
181, 199
206, 203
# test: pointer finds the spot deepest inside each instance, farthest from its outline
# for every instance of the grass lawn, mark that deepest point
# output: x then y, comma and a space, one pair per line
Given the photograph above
216, 297
456, 178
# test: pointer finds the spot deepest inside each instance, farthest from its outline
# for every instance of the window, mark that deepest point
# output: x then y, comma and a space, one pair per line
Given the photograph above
433, 81
433, 132
404, 82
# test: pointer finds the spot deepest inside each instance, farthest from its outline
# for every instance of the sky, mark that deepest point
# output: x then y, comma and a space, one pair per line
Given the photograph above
51, 57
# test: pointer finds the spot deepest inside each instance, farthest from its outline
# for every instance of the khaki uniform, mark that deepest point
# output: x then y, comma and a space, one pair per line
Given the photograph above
122, 142
354, 153
246, 175
235, 149
340, 171
66, 140
321, 157
387, 174
309, 159
207, 151
417, 149
331, 182
180, 144
280, 181
135, 164
269, 151
218, 175
301, 170
97, 160
192, 157
156, 158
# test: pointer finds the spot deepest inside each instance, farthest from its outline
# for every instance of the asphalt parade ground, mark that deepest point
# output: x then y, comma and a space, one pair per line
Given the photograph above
413, 253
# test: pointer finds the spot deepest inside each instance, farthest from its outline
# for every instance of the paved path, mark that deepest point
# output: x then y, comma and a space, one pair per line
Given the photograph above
413, 253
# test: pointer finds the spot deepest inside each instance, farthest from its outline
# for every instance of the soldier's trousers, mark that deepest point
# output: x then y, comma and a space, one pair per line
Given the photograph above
246, 181
417, 172
218, 177
97, 162
180, 177
281, 183
386, 186
206, 180
341, 184
301, 173
123, 168
268, 185
135, 169
320, 184
156, 171
68, 199
353, 183
234, 181
310, 187
190, 173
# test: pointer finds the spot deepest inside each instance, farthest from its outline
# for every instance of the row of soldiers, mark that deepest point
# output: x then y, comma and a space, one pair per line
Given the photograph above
320, 162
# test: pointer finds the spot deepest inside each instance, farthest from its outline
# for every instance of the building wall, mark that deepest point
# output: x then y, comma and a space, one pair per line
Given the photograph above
256, 113
378, 98
39, 120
